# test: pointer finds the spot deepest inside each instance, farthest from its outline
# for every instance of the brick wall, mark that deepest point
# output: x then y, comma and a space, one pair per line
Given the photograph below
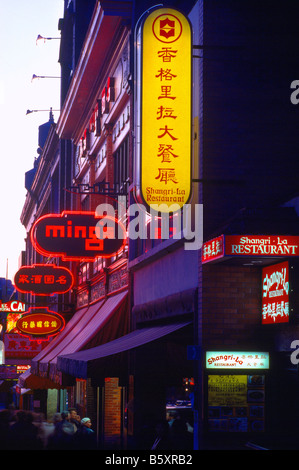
231, 305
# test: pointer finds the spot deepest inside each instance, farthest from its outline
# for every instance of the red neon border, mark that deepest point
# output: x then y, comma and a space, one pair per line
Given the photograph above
75, 258
46, 337
49, 294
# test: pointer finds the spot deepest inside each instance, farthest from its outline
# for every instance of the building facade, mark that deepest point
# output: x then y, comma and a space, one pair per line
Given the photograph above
159, 329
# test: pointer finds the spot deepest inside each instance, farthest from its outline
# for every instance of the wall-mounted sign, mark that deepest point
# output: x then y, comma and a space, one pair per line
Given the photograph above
164, 152
78, 236
213, 249
12, 306
256, 245
273, 246
275, 301
237, 360
43, 279
40, 322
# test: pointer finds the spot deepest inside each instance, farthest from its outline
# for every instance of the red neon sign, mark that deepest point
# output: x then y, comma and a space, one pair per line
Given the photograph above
43, 279
40, 322
258, 245
275, 302
78, 236
213, 249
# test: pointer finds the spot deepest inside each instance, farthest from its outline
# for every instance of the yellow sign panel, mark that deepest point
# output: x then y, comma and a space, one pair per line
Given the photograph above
166, 97
224, 390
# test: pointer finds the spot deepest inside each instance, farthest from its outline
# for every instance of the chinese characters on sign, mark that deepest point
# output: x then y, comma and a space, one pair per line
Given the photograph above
213, 249
250, 245
43, 279
40, 322
275, 302
165, 151
237, 360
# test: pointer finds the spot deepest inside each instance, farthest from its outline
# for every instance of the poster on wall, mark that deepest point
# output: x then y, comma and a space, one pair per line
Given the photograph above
275, 300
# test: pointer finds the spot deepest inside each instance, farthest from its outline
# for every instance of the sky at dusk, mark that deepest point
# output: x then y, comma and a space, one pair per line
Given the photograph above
21, 21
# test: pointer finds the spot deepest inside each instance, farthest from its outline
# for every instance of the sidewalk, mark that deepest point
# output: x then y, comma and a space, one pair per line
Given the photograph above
251, 443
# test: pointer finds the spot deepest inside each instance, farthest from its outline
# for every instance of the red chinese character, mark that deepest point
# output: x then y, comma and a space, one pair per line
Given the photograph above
166, 74
49, 279
61, 280
166, 90
36, 278
166, 151
166, 131
167, 174
23, 279
165, 113
167, 54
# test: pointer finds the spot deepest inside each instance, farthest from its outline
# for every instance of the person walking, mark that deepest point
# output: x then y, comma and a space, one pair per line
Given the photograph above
85, 438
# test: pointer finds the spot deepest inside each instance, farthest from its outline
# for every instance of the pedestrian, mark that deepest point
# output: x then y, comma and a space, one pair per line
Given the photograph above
62, 438
180, 437
53, 439
85, 438
74, 418
24, 434
162, 441
4, 430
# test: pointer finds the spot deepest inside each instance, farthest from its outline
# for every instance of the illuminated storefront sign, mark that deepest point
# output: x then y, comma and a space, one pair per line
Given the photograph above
275, 301
213, 249
254, 245
43, 279
12, 306
250, 245
164, 152
237, 360
78, 236
40, 322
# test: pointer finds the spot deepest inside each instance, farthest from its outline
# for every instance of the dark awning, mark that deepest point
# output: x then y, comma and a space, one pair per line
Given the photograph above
79, 363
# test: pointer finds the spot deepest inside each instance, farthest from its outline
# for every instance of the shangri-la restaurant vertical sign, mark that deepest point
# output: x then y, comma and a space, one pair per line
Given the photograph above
165, 153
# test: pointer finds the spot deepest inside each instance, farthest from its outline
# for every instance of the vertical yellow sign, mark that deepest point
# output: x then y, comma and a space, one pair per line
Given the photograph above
166, 110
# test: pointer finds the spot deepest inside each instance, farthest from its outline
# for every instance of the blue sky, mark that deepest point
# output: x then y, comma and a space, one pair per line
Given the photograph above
20, 23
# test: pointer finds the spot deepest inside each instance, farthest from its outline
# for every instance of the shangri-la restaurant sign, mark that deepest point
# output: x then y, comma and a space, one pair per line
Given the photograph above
250, 245
164, 153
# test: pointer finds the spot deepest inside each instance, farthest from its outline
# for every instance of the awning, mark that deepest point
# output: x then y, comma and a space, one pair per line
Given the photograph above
54, 342
34, 382
84, 333
80, 363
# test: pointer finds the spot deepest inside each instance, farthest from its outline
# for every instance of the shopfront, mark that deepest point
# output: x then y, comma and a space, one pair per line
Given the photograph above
236, 384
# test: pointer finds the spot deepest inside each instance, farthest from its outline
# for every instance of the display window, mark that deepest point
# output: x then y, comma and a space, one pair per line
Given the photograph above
236, 403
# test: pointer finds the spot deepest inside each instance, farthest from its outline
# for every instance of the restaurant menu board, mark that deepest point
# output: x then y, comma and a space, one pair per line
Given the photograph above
236, 403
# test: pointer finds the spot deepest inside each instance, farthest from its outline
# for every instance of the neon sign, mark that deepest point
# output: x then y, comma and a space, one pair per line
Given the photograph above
43, 279
213, 249
12, 306
78, 236
237, 360
250, 245
40, 322
256, 245
164, 151
275, 301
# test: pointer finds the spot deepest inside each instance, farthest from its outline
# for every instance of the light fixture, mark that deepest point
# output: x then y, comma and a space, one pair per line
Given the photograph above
42, 76
29, 111
39, 38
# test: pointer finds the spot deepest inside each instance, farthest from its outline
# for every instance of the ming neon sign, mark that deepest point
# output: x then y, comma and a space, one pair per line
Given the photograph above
78, 236
43, 279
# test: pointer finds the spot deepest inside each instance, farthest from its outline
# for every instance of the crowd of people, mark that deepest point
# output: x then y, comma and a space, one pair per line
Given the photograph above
25, 430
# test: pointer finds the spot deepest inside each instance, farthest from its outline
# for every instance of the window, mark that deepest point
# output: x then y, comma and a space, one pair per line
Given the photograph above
121, 163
